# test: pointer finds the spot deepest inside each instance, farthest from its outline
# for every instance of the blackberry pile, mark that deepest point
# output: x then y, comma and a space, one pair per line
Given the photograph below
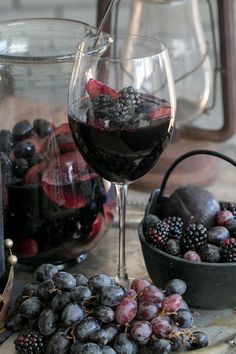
122, 112
61, 313
195, 241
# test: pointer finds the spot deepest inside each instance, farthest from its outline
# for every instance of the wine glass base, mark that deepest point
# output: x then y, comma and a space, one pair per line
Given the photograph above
125, 282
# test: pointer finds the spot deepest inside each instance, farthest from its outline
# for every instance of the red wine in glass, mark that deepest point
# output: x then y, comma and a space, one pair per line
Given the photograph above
122, 154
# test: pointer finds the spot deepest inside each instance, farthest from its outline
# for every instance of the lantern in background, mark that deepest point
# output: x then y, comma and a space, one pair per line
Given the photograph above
178, 24
199, 63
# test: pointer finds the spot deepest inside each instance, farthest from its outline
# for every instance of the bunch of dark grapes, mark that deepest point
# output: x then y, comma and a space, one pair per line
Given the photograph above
61, 313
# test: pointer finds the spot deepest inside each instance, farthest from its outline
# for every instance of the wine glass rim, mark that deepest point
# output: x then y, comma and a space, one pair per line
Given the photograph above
88, 51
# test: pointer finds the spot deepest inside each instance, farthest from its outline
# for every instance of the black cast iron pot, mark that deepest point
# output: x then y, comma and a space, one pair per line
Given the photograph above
209, 285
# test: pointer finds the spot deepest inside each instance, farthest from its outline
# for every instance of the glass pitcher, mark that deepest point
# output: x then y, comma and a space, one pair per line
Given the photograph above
56, 207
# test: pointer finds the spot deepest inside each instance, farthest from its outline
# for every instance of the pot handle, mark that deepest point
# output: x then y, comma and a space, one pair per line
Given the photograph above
185, 156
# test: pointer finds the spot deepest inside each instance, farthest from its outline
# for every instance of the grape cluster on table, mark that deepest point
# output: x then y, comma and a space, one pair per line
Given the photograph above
63, 313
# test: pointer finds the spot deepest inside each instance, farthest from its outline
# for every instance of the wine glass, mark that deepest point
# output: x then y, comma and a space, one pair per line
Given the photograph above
121, 110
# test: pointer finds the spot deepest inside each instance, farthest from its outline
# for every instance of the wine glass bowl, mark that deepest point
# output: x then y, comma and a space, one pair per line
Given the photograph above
121, 109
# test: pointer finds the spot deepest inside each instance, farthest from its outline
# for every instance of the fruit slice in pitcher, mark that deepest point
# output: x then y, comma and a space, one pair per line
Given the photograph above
34, 174
65, 143
60, 141
37, 142
96, 227
62, 179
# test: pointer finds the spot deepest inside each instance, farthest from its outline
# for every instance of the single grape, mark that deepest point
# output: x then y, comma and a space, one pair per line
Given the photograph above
81, 293
176, 344
192, 256
21, 130
171, 303
124, 344
183, 305
46, 290
31, 307
5, 141
104, 314
24, 149
47, 322
73, 314
141, 332
126, 310
150, 220
58, 344
111, 295
199, 340
223, 217
130, 293
231, 226
16, 322
81, 280
218, 235
166, 317
183, 319
6, 163
106, 349
139, 284
45, 272
209, 253
20, 167
160, 326
175, 286
147, 311
76, 348
60, 300
112, 330
85, 328
18, 301
175, 338
158, 346
151, 294
90, 348
30, 289
172, 247
96, 282
99, 336
42, 127
64, 281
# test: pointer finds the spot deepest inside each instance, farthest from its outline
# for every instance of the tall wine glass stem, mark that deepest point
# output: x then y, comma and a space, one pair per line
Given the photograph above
122, 276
